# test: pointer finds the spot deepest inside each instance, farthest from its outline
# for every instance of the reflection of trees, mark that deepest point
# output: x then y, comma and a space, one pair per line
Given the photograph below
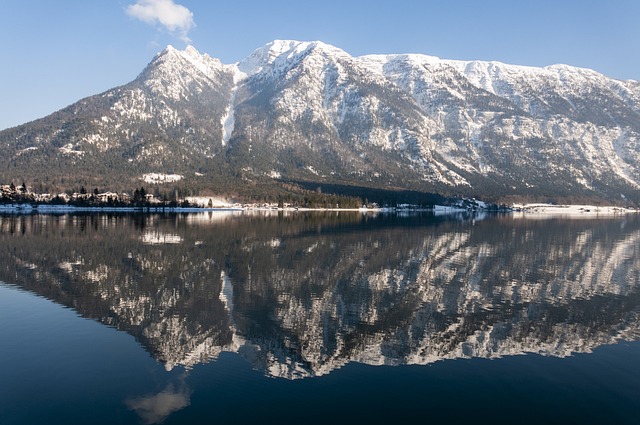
302, 295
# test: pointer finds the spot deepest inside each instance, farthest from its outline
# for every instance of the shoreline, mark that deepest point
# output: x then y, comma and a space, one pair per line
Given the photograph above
519, 210
62, 209
539, 210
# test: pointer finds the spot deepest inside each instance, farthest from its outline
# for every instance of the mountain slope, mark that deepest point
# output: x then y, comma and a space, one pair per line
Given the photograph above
169, 119
314, 113
309, 113
526, 127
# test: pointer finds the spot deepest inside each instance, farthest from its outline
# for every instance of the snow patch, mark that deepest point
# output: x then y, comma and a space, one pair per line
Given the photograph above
209, 201
586, 211
228, 120
158, 178
25, 150
70, 149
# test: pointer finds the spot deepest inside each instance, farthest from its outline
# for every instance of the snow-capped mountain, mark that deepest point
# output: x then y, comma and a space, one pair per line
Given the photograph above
310, 112
522, 125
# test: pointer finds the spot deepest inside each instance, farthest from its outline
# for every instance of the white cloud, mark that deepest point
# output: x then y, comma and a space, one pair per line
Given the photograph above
177, 19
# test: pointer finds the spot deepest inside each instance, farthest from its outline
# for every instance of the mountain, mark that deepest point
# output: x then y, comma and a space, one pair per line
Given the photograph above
307, 114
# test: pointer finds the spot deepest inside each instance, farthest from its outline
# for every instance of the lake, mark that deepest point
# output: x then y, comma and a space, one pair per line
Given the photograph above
238, 317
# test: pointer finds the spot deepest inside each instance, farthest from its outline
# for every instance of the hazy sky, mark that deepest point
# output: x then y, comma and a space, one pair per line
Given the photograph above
57, 52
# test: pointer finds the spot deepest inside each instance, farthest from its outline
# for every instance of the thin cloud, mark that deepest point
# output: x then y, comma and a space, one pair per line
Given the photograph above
177, 19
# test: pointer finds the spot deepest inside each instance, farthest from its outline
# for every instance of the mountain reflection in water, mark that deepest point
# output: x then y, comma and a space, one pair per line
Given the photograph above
301, 295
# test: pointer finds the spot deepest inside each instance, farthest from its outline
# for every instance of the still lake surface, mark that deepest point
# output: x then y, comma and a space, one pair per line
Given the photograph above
318, 318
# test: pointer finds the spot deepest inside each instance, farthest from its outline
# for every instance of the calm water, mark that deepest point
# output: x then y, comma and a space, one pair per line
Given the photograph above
318, 318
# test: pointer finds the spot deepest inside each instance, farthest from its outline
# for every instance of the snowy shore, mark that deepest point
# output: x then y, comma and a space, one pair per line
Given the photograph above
574, 211
63, 209
522, 210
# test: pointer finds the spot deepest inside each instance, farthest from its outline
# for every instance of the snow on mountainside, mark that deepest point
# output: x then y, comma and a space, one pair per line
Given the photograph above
588, 124
314, 98
310, 112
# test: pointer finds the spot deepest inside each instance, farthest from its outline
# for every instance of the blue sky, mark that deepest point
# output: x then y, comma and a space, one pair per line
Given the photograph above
57, 52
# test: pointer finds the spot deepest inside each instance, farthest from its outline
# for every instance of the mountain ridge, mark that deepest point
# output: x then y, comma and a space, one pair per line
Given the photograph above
310, 112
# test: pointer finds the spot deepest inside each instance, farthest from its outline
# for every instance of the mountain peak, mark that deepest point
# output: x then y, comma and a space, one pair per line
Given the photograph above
173, 59
192, 51
284, 51
169, 48
268, 54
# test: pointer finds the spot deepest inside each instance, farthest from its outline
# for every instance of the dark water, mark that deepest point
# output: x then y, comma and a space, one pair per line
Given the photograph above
318, 318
